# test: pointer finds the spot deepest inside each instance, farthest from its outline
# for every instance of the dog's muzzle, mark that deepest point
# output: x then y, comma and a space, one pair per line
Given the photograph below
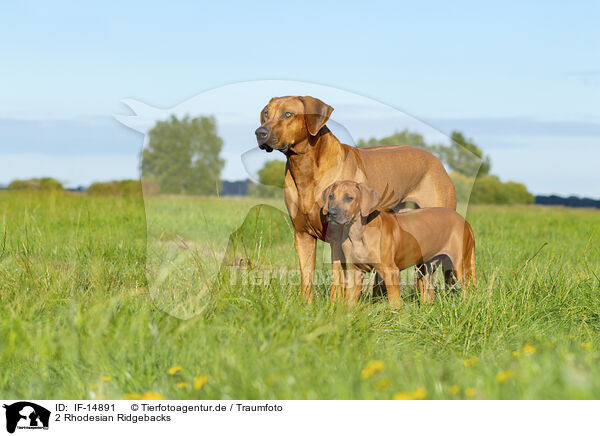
262, 136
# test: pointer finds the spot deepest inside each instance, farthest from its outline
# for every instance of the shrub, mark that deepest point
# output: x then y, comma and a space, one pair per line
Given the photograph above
271, 177
150, 187
37, 184
490, 190
262, 191
116, 188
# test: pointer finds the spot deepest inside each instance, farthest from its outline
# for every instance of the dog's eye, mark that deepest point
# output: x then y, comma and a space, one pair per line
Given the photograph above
348, 198
288, 115
265, 114
331, 196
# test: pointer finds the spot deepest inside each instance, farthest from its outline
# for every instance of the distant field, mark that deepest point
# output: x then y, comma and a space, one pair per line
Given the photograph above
80, 320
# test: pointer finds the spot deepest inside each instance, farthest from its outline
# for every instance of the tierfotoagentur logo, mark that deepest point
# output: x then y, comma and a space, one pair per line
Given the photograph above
26, 415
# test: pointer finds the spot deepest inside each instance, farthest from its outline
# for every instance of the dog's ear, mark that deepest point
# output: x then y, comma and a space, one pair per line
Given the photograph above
369, 199
263, 114
325, 198
316, 114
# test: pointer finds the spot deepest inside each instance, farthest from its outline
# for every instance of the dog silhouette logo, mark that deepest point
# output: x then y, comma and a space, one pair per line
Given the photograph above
26, 415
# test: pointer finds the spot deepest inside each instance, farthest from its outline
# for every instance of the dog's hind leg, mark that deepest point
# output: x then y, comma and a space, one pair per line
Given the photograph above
379, 290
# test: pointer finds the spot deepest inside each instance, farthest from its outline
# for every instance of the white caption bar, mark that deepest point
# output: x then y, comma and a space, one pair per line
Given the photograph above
296, 417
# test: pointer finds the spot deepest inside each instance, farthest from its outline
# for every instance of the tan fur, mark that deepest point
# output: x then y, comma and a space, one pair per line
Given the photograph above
387, 243
316, 158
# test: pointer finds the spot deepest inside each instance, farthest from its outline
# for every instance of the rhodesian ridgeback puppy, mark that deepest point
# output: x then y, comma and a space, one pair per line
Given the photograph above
387, 242
296, 127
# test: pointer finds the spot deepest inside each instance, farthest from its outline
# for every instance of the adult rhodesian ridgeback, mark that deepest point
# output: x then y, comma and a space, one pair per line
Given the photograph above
387, 242
296, 127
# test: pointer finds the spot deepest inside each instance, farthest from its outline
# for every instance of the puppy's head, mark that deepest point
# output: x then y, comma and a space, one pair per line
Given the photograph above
344, 201
287, 121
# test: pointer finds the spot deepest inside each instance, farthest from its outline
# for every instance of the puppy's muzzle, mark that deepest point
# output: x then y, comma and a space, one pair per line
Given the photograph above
334, 216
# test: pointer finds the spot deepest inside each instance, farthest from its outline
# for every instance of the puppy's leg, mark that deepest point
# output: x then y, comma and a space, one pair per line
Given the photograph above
337, 269
391, 277
354, 280
424, 282
337, 280
306, 247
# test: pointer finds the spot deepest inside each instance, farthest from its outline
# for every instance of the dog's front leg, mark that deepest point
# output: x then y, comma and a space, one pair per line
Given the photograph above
306, 247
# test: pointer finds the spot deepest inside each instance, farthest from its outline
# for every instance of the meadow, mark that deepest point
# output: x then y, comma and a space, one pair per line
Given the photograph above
80, 320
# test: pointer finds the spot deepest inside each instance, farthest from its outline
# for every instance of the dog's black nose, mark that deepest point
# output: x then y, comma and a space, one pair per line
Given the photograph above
262, 134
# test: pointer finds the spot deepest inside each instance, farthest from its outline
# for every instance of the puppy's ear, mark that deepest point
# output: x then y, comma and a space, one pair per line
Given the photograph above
316, 114
325, 198
369, 199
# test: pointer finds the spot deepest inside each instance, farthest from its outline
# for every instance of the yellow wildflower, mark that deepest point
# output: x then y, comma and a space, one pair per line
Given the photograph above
504, 375
382, 384
454, 389
529, 349
417, 394
151, 396
516, 354
45, 374
132, 396
174, 370
182, 385
372, 368
471, 361
586, 345
200, 381
93, 387
107, 378
470, 392
420, 394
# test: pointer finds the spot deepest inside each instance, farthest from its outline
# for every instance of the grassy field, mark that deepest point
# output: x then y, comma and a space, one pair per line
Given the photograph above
79, 318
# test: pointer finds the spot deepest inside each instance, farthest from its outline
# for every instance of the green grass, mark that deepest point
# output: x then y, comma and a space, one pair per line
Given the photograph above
76, 307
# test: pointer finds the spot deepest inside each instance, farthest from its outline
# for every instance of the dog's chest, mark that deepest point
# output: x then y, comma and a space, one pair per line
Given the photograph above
358, 252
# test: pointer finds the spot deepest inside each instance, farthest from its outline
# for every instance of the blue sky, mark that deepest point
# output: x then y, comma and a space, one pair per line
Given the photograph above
521, 78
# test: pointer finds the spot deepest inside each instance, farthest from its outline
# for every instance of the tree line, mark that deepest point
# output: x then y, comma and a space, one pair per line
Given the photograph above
183, 157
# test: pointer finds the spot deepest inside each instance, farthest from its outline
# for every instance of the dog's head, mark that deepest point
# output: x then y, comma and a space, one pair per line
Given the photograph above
287, 121
344, 201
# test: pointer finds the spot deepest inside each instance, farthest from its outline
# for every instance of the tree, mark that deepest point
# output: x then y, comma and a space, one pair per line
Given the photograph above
465, 161
463, 156
182, 156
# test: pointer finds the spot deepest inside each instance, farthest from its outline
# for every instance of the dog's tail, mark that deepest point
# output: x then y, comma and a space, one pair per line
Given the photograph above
469, 255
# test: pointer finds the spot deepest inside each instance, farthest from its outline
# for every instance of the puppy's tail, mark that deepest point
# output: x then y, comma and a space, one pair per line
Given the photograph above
469, 255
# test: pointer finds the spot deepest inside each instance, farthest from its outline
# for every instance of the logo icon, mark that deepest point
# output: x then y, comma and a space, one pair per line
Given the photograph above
26, 415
